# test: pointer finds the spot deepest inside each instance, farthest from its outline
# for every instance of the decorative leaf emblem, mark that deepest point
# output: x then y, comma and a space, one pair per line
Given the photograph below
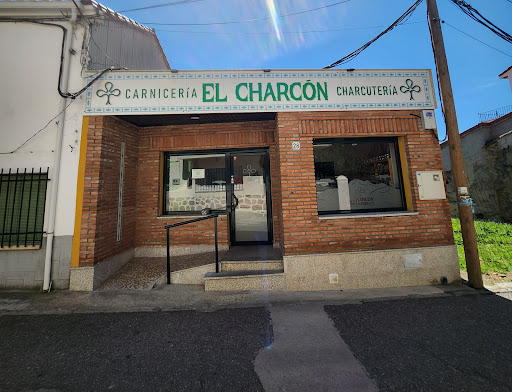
410, 88
108, 92
249, 170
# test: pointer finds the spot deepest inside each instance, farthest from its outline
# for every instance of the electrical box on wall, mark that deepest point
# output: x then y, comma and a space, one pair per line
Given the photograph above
431, 185
428, 119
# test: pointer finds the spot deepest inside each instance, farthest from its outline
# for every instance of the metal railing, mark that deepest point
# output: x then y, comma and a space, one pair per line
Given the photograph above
214, 216
22, 204
494, 114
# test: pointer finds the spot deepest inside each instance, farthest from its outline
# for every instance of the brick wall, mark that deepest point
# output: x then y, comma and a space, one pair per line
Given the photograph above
154, 141
292, 177
101, 186
303, 231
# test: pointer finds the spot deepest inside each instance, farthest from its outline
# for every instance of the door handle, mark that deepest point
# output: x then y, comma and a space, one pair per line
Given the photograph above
236, 201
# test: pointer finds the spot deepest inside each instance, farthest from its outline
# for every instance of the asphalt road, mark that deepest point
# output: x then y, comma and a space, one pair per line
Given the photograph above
449, 343
160, 351
434, 344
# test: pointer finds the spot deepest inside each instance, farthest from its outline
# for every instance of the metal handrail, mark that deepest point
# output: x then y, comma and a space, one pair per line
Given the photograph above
214, 216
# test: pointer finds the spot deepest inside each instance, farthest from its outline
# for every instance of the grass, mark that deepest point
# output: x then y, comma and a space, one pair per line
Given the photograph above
494, 245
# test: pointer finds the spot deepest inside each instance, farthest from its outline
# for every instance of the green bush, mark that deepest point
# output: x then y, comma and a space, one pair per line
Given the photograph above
494, 245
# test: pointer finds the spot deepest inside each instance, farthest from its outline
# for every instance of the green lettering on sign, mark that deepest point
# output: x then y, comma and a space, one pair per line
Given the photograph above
207, 90
282, 89
237, 92
269, 92
252, 92
217, 94
292, 91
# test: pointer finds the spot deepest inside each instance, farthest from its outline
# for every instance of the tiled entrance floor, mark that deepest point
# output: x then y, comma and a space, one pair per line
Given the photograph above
141, 273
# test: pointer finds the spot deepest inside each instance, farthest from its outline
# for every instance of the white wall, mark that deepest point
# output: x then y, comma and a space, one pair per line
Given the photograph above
29, 99
508, 75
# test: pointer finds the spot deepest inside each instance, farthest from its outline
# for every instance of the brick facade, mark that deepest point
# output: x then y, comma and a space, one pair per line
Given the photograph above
305, 233
296, 223
154, 141
98, 236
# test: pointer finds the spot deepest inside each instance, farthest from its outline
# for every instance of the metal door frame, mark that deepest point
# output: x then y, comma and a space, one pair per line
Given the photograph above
230, 193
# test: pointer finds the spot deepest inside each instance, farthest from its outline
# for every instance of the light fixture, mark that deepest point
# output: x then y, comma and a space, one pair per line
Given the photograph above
194, 117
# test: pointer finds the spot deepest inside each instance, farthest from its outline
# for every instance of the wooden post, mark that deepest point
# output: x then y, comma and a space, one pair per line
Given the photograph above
452, 129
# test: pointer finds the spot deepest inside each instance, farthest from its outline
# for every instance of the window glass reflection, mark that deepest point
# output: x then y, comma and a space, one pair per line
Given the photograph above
195, 182
357, 175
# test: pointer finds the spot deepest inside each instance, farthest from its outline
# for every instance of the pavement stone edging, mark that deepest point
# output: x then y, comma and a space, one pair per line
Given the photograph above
193, 297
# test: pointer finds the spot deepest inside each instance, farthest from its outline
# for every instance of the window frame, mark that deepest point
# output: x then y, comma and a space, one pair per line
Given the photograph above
227, 165
17, 200
350, 140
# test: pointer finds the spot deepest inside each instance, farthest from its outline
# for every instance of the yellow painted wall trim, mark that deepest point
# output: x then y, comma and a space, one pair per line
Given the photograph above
405, 173
75, 252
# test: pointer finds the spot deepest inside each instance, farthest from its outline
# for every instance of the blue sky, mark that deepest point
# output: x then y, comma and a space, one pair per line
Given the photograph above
318, 38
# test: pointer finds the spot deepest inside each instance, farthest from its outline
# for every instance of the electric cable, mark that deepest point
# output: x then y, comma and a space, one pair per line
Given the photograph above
38, 132
245, 20
101, 51
478, 17
161, 5
74, 95
476, 39
405, 16
284, 32
62, 94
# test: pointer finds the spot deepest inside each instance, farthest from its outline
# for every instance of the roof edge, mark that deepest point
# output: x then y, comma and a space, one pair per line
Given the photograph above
502, 75
480, 125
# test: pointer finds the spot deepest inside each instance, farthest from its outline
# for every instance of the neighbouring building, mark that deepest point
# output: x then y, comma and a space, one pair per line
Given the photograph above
50, 50
339, 170
487, 151
507, 74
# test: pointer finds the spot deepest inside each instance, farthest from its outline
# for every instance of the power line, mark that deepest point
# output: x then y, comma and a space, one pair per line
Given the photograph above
476, 39
245, 20
97, 46
41, 130
284, 32
478, 17
161, 5
397, 22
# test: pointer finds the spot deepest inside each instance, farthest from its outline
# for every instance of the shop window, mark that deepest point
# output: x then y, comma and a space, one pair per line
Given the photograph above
358, 175
22, 204
194, 182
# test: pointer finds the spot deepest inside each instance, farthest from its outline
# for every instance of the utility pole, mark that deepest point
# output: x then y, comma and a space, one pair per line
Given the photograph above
452, 130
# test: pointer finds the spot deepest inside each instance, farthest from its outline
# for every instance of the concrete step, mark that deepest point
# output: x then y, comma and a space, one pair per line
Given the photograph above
252, 265
252, 280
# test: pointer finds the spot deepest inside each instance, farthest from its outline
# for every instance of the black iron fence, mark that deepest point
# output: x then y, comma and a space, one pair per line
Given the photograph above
214, 216
22, 205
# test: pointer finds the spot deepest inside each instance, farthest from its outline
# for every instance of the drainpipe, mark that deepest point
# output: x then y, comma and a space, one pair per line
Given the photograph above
58, 155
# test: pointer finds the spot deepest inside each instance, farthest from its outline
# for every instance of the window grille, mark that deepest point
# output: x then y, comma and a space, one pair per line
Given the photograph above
22, 204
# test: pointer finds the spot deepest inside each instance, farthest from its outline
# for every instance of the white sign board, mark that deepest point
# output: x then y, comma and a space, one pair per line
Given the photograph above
198, 174
166, 92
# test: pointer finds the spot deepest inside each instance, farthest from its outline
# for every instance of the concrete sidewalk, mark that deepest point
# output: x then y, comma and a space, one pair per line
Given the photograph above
193, 297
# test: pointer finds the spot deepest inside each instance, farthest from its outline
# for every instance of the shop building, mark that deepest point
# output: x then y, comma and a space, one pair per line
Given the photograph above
339, 172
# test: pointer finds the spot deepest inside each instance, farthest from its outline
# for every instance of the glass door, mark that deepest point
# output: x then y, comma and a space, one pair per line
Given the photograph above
250, 212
